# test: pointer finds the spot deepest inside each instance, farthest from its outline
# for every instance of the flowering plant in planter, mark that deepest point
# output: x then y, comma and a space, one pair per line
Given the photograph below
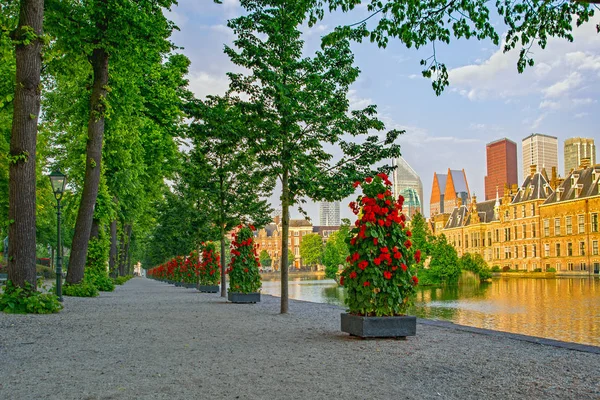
209, 268
243, 268
380, 277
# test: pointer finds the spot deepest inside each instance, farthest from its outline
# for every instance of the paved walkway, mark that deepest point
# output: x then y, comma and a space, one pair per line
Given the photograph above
149, 340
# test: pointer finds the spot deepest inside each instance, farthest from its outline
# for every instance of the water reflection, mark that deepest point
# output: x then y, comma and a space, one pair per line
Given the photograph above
557, 308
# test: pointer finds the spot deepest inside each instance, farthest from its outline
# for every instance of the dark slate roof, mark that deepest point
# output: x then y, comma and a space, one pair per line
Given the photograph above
485, 209
588, 181
533, 188
457, 218
299, 222
269, 228
460, 183
322, 228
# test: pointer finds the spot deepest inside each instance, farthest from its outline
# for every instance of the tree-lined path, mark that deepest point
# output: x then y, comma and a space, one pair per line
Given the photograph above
150, 340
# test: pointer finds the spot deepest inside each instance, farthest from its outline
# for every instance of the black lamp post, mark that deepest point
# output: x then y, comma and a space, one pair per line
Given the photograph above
58, 181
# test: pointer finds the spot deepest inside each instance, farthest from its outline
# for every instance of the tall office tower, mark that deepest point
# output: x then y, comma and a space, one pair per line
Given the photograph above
501, 158
541, 151
329, 213
404, 177
576, 149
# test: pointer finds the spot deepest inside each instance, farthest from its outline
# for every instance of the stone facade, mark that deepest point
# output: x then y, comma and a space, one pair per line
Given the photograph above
545, 223
269, 239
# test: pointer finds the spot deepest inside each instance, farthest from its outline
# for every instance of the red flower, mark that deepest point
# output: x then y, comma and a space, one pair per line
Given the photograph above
366, 284
394, 268
355, 256
384, 250
375, 241
418, 256
377, 261
353, 241
408, 233
382, 176
415, 280
397, 255
404, 267
363, 264
252, 228
381, 222
245, 269
407, 244
341, 281
368, 179
352, 275
380, 196
387, 274
356, 184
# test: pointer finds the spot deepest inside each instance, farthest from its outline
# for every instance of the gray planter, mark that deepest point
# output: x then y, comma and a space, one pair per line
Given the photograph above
243, 297
178, 284
189, 285
379, 327
208, 288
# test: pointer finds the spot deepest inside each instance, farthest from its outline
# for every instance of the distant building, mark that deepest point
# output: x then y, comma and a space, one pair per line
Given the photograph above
436, 202
412, 203
448, 191
501, 157
325, 231
329, 213
404, 177
269, 239
540, 150
576, 150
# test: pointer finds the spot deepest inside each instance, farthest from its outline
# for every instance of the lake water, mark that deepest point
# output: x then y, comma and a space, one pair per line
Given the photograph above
565, 309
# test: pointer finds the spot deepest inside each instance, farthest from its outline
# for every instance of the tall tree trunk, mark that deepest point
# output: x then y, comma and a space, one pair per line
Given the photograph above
95, 231
123, 259
285, 228
21, 197
127, 260
83, 225
223, 277
112, 261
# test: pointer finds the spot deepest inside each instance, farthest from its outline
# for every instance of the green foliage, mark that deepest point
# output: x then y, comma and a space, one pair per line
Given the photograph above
243, 270
26, 300
336, 251
291, 258
551, 269
43, 271
209, 271
418, 23
496, 268
311, 249
120, 280
476, 264
264, 258
380, 279
444, 267
421, 235
84, 289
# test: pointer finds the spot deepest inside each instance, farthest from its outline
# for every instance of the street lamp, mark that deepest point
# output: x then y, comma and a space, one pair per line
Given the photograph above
58, 181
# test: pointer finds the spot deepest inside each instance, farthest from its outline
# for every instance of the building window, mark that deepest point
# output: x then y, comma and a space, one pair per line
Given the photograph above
534, 250
524, 231
523, 211
557, 249
533, 230
514, 212
297, 251
497, 253
595, 248
582, 248
507, 253
570, 266
532, 209
581, 223
497, 239
569, 249
546, 228
459, 242
516, 252
466, 241
506, 234
583, 266
489, 235
556, 226
558, 266
594, 222
569, 225
296, 233
524, 251
546, 250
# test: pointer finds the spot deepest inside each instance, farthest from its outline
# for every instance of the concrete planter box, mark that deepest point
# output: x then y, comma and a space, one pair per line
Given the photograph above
179, 284
208, 288
379, 327
189, 285
243, 297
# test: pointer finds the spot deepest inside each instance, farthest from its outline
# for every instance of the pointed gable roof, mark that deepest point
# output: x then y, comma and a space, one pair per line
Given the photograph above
456, 183
585, 181
535, 187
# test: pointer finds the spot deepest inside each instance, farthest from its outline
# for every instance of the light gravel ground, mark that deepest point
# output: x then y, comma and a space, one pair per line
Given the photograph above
150, 340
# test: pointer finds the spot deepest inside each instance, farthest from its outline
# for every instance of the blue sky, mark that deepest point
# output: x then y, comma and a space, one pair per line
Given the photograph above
487, 98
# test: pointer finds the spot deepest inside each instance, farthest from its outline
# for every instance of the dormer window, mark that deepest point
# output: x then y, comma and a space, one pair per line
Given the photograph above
578, 189
558, 193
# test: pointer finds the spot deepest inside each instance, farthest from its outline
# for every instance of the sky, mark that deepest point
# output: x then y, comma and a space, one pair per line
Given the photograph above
486, 100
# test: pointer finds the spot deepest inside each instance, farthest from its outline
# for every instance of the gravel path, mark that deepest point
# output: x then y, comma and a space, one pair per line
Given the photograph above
149, 340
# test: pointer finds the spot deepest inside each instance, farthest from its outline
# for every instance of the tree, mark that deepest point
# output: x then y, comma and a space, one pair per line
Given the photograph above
101, 30
291, 258
336, 251
311, 249
265, 258
418, 23
295, 104
476, 264
22, 159
444, 266
221, 172
421, 236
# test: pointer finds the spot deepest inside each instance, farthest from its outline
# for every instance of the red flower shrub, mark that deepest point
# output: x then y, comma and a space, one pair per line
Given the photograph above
243, 269
380, 276
209, 272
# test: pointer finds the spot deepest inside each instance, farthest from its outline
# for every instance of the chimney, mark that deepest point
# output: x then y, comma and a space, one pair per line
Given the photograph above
532, 169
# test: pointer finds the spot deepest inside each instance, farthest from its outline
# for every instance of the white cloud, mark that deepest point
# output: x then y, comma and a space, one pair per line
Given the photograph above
203, 84
562, 87
536, 124
357, 102
581, 115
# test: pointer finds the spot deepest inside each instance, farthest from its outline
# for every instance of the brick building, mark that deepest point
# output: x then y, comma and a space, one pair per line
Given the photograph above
501, 158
